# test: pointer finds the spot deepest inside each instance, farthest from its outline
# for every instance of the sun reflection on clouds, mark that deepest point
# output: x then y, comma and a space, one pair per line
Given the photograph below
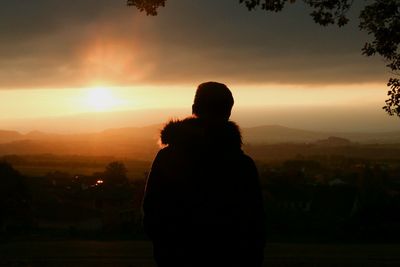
108, 56
115, 61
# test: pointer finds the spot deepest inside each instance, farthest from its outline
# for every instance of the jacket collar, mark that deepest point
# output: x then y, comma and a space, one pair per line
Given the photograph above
193, 132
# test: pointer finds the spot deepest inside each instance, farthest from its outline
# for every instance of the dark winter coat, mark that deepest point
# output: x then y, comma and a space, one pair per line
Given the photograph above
203, 202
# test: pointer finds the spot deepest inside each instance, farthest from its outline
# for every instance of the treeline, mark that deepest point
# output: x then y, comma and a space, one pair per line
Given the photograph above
286, 151
42, 164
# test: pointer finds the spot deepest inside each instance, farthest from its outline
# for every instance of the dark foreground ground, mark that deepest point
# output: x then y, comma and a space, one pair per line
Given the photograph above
139, 254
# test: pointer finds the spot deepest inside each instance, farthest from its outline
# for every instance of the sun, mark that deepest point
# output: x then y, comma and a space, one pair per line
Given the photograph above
101, 99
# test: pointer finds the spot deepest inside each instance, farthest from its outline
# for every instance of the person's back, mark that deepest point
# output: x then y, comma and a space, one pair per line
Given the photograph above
203, 203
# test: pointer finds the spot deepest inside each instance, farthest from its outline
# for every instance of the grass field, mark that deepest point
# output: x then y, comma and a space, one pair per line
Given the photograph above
139, 254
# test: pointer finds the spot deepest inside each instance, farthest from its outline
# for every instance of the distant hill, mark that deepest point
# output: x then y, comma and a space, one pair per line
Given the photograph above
9, 136
142, 142
334, 141
272, 134
135, 142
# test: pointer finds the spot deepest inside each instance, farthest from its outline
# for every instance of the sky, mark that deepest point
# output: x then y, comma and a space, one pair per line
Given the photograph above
64, 58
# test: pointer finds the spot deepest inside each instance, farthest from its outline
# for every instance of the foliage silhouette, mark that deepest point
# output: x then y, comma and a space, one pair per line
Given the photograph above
115, 173
14, 199
380, 18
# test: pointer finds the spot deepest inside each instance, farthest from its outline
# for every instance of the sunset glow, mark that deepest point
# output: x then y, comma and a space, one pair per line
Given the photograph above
101, 99
115, 67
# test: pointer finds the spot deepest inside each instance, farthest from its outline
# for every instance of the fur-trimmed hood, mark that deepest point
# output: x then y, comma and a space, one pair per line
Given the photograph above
194, 132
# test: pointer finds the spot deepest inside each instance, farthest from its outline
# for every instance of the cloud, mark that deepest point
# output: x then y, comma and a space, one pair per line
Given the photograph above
57, 43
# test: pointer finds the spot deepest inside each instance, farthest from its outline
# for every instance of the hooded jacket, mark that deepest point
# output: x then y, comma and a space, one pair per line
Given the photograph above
203, 192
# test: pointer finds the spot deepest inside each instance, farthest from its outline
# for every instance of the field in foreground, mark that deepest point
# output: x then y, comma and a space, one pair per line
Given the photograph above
139, 254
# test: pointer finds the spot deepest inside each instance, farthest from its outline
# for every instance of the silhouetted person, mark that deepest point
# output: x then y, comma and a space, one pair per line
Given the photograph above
203, 202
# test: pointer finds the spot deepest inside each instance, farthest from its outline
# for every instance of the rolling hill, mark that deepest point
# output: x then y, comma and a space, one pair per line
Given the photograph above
142, 142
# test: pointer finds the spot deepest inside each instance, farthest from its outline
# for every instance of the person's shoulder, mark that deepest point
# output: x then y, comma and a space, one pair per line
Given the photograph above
164, 152
247, 160
245, 157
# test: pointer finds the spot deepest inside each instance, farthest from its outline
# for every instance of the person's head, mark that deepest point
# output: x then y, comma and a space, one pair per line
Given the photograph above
213, 102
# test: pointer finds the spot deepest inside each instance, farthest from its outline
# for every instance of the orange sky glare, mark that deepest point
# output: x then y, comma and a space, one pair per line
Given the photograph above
67, 101
112, 58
